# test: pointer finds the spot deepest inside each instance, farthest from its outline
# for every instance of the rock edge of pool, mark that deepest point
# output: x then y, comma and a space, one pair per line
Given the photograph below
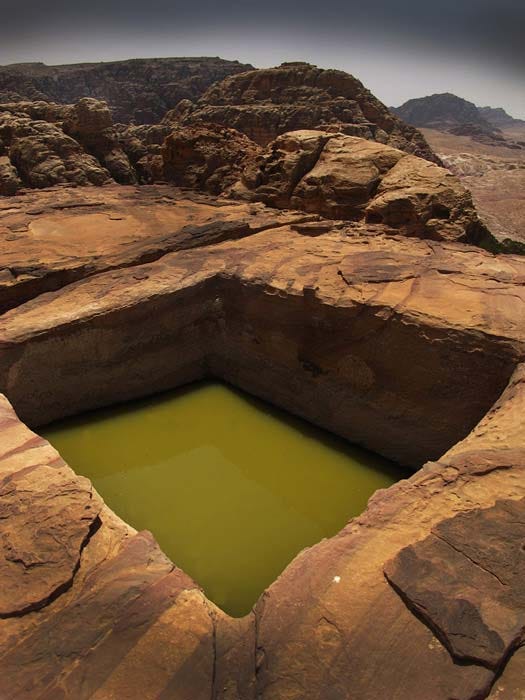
420, 596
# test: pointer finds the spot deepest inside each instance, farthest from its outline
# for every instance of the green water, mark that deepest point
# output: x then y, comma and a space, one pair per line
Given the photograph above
231, 488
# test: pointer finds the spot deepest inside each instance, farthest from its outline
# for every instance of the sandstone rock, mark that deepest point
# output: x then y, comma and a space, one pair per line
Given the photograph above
9, 180
427, 201
37, 110
208, 158
139, 90
469, 589
43, 155
266, 103
40, 549
344, 177
377, 337
90, 123
354, 267
49, 239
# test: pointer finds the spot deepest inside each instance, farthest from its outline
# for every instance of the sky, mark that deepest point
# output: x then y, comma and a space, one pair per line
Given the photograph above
402, 49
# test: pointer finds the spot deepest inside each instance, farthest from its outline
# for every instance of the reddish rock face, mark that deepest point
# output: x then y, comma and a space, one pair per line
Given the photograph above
208, 158
266, 103
91, 124
344, 177
401, 344
43, 155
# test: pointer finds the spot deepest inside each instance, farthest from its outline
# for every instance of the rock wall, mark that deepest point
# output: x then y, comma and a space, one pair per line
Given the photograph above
384, 326
268, 102
400, 343
140, 90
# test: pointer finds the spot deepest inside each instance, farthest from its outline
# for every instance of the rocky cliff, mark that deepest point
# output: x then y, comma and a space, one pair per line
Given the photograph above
140, 90
266, 103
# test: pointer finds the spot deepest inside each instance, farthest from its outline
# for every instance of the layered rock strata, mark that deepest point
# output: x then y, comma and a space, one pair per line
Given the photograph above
411, 347
139, 90
268, 102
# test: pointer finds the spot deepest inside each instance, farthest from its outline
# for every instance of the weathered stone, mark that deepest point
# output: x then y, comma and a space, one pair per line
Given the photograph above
64, 235
139, 90
43, 155
9, 180
47, 528
90, 123
268, 102
208, 158
344, 177
347, 312
469, 588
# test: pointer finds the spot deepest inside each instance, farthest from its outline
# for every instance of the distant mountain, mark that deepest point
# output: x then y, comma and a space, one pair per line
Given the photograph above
140, 89
499, 118
454, 115
441, 111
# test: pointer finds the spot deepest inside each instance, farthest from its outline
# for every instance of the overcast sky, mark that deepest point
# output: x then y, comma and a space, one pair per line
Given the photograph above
401, 49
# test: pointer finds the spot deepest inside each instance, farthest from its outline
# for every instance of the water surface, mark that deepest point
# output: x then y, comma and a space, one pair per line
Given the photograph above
231, 488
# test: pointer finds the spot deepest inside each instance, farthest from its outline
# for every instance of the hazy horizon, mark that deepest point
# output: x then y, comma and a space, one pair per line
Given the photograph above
399, 52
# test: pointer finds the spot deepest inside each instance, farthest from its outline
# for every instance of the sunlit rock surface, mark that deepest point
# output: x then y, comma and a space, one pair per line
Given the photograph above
413, 348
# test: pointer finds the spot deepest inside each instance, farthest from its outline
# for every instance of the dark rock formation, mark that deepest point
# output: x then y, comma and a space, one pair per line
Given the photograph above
344, 177
440, 111
469, 590
208, 158
143, 146
499, 118
447, 112
140, 90
266, 103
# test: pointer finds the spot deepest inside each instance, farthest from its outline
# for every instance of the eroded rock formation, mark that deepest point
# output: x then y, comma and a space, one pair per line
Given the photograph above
208, 158
40, 154
140, 90
371, 334
266, 103
344, 177
90, 123
338, 286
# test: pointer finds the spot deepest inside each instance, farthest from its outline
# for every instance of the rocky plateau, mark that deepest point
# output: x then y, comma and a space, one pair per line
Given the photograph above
341, 274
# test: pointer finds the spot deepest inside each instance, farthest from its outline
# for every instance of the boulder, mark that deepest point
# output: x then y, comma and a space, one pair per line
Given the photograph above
43, 155
345, 177
9, 180
90, 123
